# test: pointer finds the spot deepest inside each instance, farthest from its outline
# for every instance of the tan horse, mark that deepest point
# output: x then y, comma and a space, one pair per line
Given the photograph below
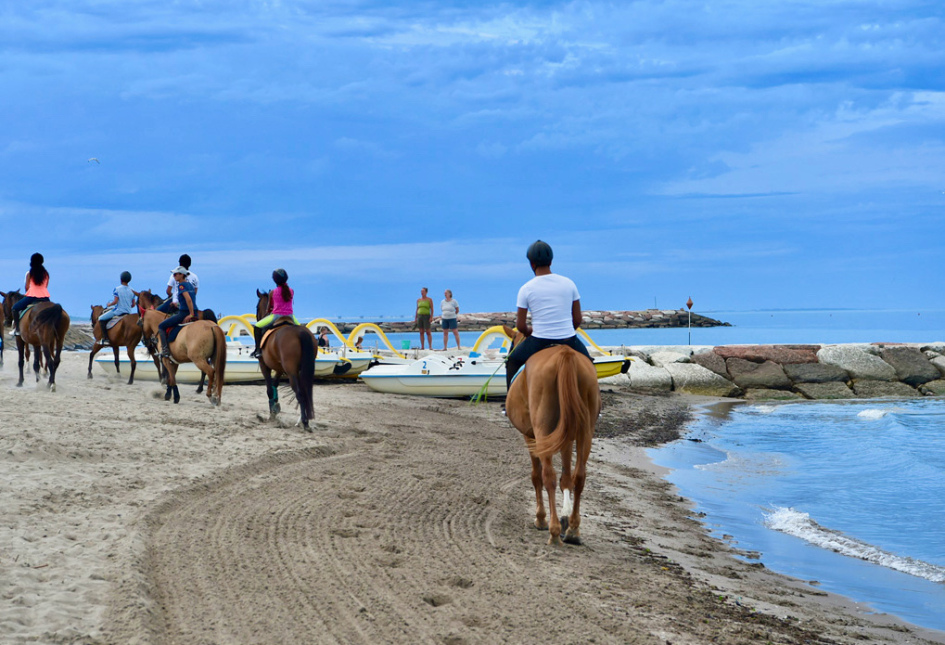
554, 403
43, 327
201, 343
126, 333
291, 350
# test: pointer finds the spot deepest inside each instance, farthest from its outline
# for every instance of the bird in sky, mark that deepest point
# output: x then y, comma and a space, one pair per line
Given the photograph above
91, 159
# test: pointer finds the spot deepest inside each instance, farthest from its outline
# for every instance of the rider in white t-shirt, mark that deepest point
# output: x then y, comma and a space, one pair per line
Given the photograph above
171, 304
555, 305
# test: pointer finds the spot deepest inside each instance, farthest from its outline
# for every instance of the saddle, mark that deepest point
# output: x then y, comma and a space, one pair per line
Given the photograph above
172, 334
114, 321
281, 321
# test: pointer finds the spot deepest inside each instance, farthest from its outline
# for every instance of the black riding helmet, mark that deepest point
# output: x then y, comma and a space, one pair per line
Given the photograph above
125, 276
540, 254
280, 277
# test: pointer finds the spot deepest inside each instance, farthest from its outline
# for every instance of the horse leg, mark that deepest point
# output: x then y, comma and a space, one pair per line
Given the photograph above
540, 518
21, 350
303, 420
550, 479
115, 349
95, 348
171, 371
206, 369
36, 354
134, 363
52, 363
573, 533
565, 485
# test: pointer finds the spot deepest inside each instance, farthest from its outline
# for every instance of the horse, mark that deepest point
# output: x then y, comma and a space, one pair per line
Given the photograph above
126, 333
3, 324
291, 350
554, 402
43, 326
201, 343
10, 298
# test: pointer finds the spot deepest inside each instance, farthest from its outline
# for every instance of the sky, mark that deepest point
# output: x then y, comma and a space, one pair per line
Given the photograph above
749, 155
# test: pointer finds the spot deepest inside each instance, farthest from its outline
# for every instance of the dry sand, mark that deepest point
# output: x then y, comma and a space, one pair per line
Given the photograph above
125, 519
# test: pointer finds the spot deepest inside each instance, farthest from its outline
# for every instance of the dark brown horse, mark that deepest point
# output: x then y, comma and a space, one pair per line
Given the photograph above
10, 298
42, 326
201, 343
291, 350
126, 333
554, 402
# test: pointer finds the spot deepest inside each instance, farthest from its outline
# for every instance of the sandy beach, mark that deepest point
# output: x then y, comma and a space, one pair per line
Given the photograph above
126, 519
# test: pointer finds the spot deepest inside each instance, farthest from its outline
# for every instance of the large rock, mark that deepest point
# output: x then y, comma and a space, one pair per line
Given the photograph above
660, 359
767, 375
912, 367
711, 361
858, 361
815, 373
643, 376
827, 390
776, 353
762, 394
695, 379
933, 388
883, 389
939, 363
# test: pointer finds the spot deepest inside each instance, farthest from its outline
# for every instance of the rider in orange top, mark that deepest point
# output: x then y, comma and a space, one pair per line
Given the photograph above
36, 287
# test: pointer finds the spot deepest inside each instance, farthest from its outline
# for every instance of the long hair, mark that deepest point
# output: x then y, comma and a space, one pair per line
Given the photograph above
281, 278
38, 273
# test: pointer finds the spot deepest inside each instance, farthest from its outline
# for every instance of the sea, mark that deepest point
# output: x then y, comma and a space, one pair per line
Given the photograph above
847, 495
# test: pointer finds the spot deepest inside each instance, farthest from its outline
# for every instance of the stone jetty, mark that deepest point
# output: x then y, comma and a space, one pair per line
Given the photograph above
592, 320
789, 372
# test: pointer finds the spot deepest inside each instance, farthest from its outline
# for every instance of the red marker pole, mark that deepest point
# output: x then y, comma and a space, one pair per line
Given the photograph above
689, 305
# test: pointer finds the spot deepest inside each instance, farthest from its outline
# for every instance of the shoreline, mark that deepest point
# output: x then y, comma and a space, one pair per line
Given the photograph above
129, 519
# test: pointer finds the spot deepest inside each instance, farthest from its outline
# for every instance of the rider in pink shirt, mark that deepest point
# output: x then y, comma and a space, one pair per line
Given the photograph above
280, 305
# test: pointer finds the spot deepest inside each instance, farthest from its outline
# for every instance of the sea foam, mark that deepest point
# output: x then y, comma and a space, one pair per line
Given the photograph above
800, 524
872, 414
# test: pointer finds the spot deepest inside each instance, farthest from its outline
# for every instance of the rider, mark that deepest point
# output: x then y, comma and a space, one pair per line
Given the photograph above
187, 297
171, 304
37, 283
555, 305
280, 305
125, 301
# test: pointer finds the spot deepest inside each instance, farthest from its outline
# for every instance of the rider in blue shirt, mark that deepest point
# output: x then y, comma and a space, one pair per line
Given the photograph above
123, 303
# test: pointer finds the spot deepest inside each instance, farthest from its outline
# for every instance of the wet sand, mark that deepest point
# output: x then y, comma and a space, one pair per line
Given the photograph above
126, 519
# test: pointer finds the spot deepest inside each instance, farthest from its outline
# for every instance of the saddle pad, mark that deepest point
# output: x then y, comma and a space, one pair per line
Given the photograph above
172, 334
114, 321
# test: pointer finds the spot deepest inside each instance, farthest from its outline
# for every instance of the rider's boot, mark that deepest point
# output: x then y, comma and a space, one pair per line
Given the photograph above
165, 346
16, 322
257, 334
104, 331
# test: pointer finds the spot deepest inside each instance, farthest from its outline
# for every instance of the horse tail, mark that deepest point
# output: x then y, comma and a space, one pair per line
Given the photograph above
307, 371
572, 409
219, 358
49, 316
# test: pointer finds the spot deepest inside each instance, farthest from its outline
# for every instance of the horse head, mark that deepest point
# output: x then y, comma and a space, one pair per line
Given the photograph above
515, 335
262, 304
96, 312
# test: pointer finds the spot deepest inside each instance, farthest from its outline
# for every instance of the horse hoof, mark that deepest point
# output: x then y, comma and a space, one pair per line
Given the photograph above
572, 539
554, 540
564, 524
52, 387
167, 395
90, 376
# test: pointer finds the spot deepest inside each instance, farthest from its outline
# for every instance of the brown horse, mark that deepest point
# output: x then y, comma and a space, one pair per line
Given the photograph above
291, 350
126, 333
3, 324
554, 403
201, 343
42, 326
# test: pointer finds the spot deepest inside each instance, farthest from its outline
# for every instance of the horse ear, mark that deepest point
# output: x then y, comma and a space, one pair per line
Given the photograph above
508, 331
259, 294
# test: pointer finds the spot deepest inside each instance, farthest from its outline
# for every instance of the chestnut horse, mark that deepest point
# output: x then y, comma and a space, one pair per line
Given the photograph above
126, 333
291, 350
42, 326
201, 343
554, 402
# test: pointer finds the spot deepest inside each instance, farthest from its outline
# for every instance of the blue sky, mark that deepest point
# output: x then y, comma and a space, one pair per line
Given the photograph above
748, 154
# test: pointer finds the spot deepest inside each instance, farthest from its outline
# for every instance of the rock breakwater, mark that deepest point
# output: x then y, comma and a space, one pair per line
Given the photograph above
648, 318
789, 372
